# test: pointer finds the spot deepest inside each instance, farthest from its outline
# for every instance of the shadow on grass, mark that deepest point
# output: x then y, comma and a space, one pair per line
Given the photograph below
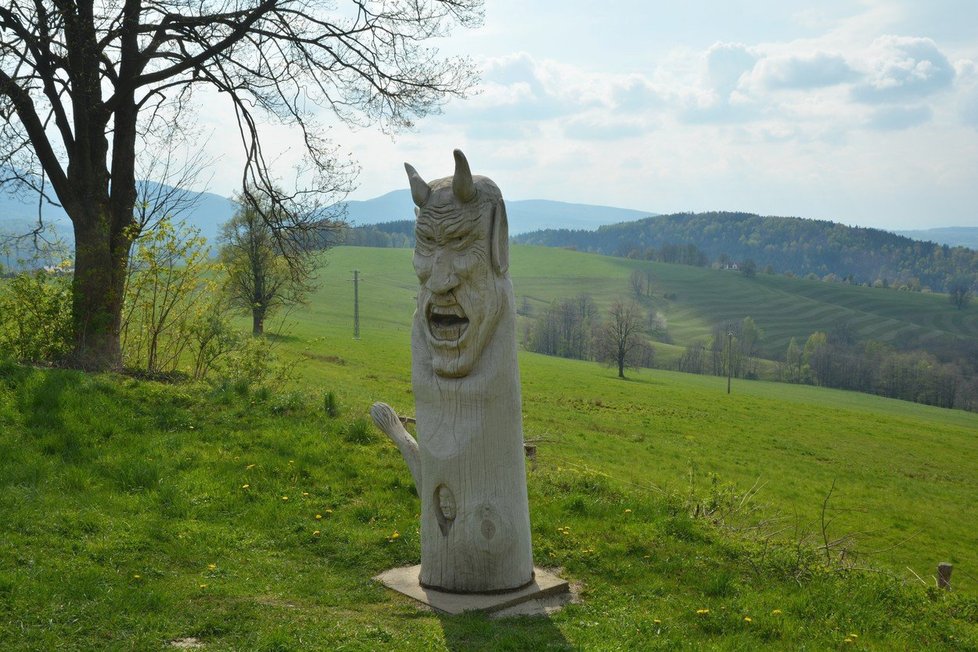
281, 337
476, 631
42, 400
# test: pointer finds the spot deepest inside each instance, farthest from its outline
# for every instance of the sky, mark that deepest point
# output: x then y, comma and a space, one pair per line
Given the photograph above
864, 113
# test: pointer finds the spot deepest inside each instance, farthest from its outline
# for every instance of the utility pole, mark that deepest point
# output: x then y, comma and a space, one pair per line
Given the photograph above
729, 353
356, 304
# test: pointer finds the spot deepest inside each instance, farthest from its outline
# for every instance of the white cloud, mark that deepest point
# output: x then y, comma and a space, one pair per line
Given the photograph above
604, 127
895, 118
902, 68
802, 72
635, 94
837, 122
726, 63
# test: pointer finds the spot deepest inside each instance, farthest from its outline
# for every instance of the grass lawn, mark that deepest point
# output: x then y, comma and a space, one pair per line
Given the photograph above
134, 513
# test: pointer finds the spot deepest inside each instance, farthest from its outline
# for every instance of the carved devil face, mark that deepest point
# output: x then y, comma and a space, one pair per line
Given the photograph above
464, 289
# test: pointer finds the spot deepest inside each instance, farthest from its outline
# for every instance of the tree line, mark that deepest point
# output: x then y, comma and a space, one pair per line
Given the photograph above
575, 328
395, 234
779, 244
946, 375
946, 378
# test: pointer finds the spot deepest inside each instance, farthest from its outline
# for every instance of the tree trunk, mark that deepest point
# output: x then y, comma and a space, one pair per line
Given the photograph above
257, 321
621, 367
98, 292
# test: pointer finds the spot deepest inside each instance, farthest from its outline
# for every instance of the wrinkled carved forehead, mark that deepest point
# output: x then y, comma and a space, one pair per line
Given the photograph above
444, 210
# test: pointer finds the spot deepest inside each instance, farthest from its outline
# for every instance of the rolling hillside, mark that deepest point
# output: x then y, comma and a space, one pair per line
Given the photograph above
787, 244
654, 429
523, 214
693, 301
239, 515
783, 307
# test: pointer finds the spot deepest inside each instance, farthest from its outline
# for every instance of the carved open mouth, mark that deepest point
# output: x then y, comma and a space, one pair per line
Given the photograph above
447, 323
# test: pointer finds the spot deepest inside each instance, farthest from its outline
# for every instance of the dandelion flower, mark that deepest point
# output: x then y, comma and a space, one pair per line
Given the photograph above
853, 635
702, 611
316, 533
328, 511
628, 511
748, 619
245, 486
657, 621
249, 467
775, 612
203, 586
319, 517
305, 493
136, 577
847, 640
395, 535
285, 497
212, 566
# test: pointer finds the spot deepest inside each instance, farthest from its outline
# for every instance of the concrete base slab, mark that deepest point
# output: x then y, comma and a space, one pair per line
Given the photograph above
545, 588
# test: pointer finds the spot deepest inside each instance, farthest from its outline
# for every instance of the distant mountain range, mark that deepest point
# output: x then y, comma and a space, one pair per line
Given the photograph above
19, 213
523, 215
954, 236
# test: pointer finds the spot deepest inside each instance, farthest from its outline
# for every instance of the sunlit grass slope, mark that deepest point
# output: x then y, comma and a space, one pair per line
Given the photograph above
898, 467
138, 516
133, 514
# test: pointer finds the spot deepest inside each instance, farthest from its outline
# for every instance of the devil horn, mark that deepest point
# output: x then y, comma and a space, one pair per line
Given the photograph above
462, 185
420, 190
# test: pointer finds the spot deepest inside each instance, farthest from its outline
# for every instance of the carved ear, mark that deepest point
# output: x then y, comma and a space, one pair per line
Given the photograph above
420, 190
462, 185
500, 238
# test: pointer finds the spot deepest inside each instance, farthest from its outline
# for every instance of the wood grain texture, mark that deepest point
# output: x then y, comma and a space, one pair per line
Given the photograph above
475, 519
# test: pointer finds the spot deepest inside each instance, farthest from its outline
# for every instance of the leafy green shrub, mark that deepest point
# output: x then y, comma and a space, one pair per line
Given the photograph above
211, 339
35, 316
167, 294
252, 364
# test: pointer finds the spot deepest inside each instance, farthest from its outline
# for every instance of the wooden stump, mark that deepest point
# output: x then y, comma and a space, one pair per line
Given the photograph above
944, 576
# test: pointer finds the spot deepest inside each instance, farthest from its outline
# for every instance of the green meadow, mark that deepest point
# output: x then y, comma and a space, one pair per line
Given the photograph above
783, 307
241, 516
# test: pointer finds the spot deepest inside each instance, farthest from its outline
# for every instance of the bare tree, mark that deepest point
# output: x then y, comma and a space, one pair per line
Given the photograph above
85, 85
260, 279
620, 339
637, 282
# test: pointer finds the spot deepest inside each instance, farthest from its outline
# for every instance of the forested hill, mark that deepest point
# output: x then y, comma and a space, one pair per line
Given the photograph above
787, 244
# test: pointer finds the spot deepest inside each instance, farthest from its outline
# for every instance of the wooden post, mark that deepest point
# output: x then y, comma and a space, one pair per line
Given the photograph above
729, 360
944, 575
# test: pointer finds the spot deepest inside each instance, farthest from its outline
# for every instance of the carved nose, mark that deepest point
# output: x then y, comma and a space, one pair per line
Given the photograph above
443, 278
